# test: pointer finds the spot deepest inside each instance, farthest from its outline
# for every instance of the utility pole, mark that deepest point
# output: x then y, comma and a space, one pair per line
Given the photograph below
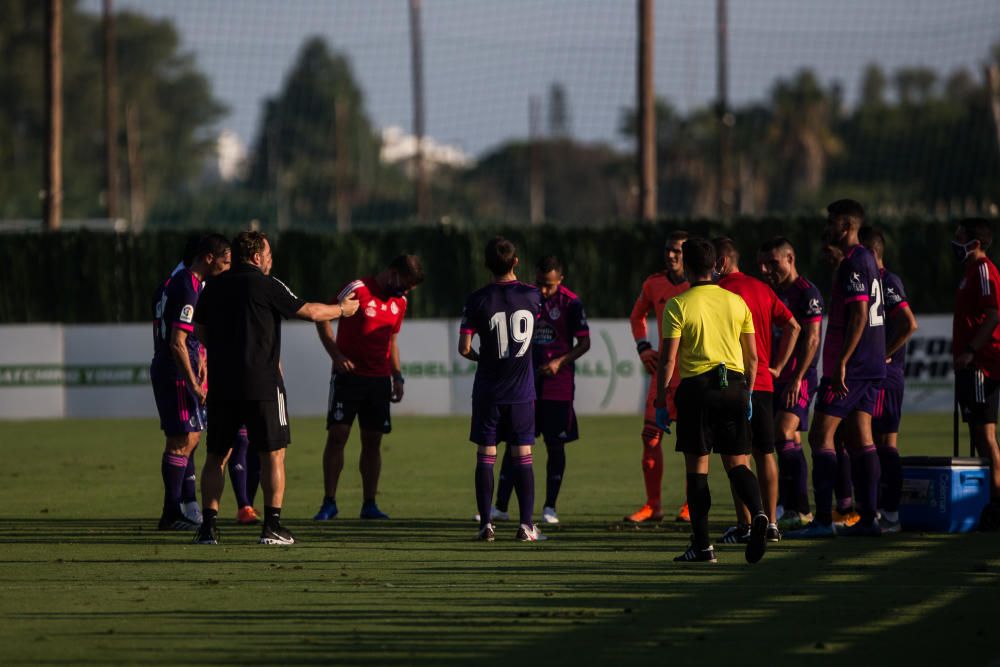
725, 119
993, 88
133, 141
646, 115
536, 180
110, 110
417, 75
52, 177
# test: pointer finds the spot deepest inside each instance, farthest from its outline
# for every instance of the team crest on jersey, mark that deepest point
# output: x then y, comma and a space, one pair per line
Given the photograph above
187, 313
370, 311
394, 308
554, 312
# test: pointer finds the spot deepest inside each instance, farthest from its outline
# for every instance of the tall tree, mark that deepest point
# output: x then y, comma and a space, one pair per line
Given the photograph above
559, 116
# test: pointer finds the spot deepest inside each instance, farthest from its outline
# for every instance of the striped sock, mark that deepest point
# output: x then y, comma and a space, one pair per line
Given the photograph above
524, 486
172, 468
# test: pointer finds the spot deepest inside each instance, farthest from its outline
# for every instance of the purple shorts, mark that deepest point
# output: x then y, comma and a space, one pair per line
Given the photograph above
511, 423
556, 420
180, 411
861, 397
801, 409
888, 406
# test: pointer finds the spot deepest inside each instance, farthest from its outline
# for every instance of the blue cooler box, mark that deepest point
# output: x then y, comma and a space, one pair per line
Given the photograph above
943, 494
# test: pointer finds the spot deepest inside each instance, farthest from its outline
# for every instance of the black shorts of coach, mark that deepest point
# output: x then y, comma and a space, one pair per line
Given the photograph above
762, 423
362, 397
266, 423
711, 418
978, 396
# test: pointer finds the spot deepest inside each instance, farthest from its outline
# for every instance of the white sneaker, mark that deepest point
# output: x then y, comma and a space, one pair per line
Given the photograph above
497, 515
192, 511
529, 534
549, 515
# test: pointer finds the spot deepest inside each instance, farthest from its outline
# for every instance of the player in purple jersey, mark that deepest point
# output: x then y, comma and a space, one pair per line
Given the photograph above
562, 321
853, 372
503, 315
177, 373
900, 325
796, 385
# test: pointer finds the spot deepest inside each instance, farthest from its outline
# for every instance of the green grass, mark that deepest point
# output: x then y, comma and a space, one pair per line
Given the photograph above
86, 579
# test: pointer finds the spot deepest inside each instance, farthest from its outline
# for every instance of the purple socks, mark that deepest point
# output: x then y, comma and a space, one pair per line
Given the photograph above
238, 470
844, 488
484, 486
524, 485
824, 477
173, 469
189, 489
505, 484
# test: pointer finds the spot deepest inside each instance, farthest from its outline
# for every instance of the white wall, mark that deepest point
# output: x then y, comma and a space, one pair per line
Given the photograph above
102, 370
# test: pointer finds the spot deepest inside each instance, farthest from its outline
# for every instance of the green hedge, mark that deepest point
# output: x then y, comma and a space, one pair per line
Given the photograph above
100, 277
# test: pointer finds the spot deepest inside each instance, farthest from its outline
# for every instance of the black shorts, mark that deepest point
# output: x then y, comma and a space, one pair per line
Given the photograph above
762, 423
556, 421
366, 398
978, 396
710, 418
266, 423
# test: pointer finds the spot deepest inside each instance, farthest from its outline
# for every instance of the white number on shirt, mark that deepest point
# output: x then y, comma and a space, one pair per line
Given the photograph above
874, 319
159, 316
522, 326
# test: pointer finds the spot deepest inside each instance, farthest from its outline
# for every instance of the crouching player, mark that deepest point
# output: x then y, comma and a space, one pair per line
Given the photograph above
503, 315
708, 335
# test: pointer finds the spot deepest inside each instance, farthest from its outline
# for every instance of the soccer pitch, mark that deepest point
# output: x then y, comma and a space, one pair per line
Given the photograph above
87, 579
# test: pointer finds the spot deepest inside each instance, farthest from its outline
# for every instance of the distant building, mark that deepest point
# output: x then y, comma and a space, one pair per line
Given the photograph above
400, 147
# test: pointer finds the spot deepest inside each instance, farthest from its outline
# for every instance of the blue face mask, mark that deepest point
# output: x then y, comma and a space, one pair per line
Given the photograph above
962, 250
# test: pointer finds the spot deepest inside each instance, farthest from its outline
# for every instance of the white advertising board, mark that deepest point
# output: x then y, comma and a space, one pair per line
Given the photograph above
51, 371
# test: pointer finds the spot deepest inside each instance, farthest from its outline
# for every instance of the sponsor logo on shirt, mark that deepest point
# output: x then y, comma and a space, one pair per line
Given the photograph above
856, 284
370, 311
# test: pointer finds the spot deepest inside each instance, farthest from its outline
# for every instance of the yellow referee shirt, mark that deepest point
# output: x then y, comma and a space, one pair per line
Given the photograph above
709, 321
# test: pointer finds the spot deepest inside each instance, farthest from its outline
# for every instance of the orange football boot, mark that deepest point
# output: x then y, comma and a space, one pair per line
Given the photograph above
247, 516
644, 513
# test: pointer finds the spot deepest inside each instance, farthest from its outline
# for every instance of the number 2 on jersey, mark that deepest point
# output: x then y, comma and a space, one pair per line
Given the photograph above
874, 319
522, 325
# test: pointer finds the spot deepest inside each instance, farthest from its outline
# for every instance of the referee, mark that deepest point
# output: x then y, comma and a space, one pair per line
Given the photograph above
708, 335
238, 318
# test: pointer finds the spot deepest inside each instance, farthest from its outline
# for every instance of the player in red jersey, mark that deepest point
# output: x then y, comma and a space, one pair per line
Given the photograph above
976, 342
657, 290
366, 378
768, 311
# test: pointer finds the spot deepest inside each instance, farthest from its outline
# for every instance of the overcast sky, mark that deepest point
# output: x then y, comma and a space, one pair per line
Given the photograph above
484, 58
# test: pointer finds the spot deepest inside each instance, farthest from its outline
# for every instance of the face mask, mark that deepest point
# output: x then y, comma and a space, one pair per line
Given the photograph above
961, 250
715, 276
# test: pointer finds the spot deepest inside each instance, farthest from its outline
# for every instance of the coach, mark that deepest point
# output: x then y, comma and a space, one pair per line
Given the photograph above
708, 334
238, 318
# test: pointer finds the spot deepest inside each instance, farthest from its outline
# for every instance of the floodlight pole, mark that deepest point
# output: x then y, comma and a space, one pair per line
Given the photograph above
646, 115
725, 119
110, 111
417, 76
52, 176
536, 183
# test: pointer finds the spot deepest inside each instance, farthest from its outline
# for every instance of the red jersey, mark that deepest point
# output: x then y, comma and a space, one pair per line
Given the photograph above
767, 310
977, 292
366, 338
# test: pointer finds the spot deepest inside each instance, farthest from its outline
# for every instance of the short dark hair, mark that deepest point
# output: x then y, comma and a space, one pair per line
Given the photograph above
777, 243
248, 244
191, 249
212, 244
847, 208
699, 256
726, 247
500, 255
549, 263
873, 239
977, 229
677, 235
409, 268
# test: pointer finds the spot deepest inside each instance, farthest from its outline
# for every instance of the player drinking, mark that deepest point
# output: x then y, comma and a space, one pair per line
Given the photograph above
708, 339
561, 337
656, 291
853, 370
176, 372
503, 315
366, 377
796, 384
768, 312
899, 327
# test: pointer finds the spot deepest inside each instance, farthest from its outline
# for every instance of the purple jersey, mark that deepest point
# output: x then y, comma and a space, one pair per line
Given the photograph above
174, 307
895, 298
806, 303
857, 279
504, 315
562, 320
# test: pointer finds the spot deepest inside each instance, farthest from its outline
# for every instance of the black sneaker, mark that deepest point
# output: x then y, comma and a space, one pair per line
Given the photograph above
693, 555
757, 544
176, 521
736, 535
276, 535
207, 534
773, 534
